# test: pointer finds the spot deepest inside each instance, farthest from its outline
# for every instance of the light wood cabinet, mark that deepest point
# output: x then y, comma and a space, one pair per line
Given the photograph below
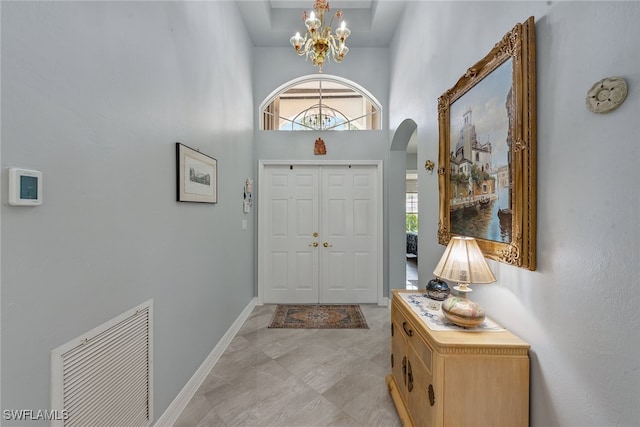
456, 378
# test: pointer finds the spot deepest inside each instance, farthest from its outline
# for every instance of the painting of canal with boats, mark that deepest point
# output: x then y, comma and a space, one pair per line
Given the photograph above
480, 158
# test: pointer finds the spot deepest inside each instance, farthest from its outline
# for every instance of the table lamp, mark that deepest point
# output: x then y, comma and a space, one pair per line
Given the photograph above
463, 262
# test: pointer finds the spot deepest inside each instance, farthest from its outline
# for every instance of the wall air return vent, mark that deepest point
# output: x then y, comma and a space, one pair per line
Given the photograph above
104, 377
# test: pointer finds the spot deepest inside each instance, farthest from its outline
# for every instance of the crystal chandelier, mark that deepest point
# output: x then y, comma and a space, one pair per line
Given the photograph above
318, 41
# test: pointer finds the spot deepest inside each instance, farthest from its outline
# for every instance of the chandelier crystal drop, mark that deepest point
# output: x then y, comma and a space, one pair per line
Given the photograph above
318, 42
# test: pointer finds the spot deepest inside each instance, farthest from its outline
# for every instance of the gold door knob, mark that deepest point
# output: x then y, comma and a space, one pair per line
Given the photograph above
315, 245
326, 245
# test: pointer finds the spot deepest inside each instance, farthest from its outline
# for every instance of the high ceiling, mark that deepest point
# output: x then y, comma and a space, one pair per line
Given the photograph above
273, 22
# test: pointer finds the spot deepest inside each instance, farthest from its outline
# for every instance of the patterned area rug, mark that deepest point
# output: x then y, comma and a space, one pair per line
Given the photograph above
319, 317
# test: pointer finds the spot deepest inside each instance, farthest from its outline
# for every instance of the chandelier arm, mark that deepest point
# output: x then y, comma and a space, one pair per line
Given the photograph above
335, 15
304, 50
334, 44
307, 48
308, 44
330, 24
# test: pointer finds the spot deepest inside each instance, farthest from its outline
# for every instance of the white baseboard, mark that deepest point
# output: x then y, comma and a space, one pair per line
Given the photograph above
170, 416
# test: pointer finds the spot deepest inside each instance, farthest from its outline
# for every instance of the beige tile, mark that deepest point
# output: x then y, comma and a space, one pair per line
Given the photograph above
311, 356
277, 342
364, 396
298, 377
197, 409
210, 420
315, 412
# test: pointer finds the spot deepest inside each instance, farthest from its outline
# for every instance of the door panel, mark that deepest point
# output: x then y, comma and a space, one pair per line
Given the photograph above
291, 267
348, 271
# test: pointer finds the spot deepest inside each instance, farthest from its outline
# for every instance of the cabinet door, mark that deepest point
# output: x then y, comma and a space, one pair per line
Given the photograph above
421, 397
399, 354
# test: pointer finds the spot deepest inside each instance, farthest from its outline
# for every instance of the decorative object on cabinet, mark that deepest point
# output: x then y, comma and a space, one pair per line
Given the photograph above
319, 149
487, 163
318, 42
437, 289
463, 262
429, 311
196, 176
606, 95
433, 371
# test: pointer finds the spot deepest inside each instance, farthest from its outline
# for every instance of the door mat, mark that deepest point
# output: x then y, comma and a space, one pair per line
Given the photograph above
318, 317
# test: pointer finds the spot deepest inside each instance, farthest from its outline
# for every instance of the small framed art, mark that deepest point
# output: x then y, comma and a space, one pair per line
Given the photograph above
197, 176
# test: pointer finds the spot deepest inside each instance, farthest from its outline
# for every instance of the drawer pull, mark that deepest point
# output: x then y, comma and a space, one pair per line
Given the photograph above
392, 329
404, 370
392, 360
409, 377
432, 395
408, 332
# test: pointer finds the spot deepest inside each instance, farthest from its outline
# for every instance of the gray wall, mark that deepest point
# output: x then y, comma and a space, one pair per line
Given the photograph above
95, 95
578, 310
412, 161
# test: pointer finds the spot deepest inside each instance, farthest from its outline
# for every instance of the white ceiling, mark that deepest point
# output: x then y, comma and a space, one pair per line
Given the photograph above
273, 22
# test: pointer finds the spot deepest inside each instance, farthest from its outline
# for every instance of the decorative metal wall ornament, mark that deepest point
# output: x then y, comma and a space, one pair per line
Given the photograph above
429, 165
606, 95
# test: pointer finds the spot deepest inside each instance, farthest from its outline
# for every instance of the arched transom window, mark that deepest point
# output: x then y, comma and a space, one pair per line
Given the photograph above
320, 103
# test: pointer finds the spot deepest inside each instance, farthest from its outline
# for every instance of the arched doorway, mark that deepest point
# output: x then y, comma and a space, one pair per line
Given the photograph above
399, 159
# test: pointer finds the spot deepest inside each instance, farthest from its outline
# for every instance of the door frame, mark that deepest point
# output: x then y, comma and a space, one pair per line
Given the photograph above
380, 219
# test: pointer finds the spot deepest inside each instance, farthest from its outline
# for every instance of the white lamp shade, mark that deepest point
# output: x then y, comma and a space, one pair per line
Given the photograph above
463, 262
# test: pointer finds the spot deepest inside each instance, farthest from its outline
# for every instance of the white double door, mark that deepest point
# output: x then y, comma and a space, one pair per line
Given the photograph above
319, 234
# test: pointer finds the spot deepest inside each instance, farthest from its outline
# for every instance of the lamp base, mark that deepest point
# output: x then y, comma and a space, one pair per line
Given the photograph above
462, 311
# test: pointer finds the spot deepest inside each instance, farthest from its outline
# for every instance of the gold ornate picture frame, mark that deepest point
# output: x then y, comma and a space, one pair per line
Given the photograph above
487, 158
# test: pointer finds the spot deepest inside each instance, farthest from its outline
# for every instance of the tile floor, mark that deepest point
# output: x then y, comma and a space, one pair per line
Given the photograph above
299, 377
412, 273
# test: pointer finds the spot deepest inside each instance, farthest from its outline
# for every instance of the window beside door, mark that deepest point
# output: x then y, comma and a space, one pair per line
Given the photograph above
411, 215
412, 212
